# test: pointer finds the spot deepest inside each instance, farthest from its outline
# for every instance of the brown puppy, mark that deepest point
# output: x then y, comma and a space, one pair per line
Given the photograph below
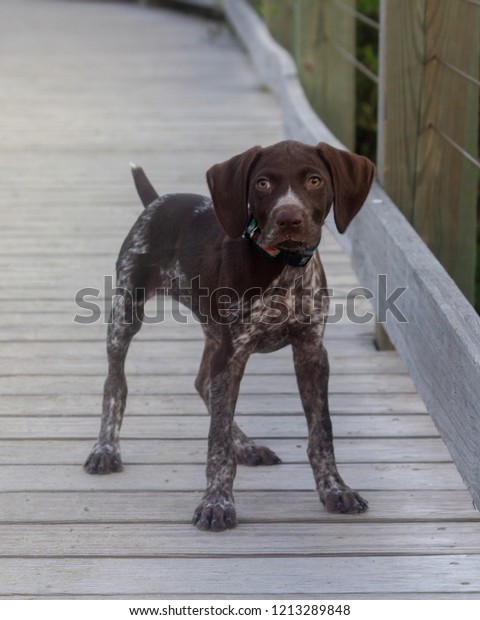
246, 264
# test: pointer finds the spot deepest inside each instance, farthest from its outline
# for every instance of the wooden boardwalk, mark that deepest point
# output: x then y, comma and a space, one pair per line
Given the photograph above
85, 88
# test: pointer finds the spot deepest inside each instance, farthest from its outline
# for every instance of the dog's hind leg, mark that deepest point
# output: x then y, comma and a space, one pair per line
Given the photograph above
125, 321
247, 452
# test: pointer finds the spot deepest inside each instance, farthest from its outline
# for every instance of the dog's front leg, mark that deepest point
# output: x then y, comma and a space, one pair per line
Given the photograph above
312, 370
216, 511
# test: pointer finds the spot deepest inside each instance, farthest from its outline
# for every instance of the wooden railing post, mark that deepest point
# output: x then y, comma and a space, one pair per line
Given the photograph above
320, 34
325, 44
430, 108
279, 17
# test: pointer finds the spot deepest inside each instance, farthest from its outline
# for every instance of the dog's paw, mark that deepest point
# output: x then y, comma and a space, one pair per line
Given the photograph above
103, 459
256, 455
344, 501
215, 515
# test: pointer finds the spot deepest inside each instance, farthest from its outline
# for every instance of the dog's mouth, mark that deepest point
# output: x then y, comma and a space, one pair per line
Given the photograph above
290, 240
290, 244
287, 240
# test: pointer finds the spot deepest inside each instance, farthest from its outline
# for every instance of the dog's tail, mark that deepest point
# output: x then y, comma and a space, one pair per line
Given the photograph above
145, 189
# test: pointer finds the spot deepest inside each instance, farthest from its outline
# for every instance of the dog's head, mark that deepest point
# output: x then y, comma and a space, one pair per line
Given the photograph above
289, 188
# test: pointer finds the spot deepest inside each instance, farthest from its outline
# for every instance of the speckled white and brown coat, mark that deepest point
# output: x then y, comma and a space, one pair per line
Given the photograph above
248, 302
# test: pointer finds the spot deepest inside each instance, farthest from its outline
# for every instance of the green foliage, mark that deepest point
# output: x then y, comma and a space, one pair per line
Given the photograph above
370, 8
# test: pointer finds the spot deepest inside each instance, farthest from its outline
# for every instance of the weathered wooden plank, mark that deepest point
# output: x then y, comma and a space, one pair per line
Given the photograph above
102, 257
360, 338
292, 577
156, 540
254, 507
156, 451
161, 384
88, 307
178, 477
71, 283
173, 364
185, 404
105, 249
50, 297
196, 427
105, 242
24, 302
180, 358
174, 316
174, 139
97, 251
67, 329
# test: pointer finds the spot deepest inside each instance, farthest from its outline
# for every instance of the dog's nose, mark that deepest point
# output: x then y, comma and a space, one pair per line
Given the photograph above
289, 217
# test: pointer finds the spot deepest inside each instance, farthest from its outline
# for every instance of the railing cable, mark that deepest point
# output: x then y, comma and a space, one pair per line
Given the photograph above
354, 61
458, 71
473, 160
360, 16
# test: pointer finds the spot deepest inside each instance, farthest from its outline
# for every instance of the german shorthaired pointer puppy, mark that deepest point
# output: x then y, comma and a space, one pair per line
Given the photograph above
246, 264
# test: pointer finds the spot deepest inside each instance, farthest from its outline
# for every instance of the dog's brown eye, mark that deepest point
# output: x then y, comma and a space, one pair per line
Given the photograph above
314, 181
262, 184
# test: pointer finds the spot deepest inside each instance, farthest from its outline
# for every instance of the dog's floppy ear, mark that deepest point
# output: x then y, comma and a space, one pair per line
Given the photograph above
352, 176
228, 184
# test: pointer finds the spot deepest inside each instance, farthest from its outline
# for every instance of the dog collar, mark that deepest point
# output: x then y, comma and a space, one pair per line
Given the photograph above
292, 258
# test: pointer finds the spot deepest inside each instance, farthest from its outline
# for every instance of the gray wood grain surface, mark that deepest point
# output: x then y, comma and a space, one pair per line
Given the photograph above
87, 87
